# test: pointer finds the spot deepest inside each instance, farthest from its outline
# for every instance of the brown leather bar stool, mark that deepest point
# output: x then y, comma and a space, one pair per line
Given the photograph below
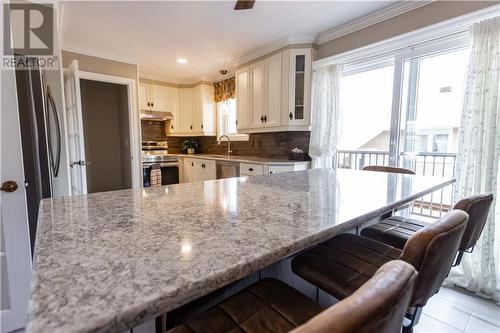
272, 306
344, 263
383, 168
396, 230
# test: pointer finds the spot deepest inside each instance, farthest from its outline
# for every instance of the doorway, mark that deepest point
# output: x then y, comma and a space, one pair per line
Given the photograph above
106, 131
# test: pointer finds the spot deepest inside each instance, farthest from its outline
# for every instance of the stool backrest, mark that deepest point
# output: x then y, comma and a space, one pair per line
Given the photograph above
478, 207
379, 305
432, 250
392, 169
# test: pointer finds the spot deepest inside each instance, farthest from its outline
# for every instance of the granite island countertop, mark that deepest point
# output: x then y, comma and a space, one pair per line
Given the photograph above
108, 261
245, 159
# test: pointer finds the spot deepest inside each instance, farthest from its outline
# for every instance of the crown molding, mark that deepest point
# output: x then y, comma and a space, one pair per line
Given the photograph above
371, 19
452, 29
274, 46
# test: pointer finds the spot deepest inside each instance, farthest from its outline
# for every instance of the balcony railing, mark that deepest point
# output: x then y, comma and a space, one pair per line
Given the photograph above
425, 164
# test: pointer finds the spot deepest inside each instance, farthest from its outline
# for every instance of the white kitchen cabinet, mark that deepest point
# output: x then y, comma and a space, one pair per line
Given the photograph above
186, 110
154, 97
257, 94
195, 169
278, 94
250, 169
196, 111
144, 102
209, 125
172, 126
272, 114
297, 107
242, 87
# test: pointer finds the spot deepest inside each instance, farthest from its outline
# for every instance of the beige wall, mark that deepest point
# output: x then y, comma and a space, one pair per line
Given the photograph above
100, 65
419, 18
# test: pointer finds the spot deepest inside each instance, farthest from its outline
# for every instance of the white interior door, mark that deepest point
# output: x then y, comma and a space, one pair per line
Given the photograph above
15, 258
76, 144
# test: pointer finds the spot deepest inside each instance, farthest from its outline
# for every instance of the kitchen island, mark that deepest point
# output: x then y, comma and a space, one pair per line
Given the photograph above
106, 262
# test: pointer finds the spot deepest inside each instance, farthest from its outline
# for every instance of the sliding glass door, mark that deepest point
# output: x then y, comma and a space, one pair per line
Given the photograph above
430, 119
405, 111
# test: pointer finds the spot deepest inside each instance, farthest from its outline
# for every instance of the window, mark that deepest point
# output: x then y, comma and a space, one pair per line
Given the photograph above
365, 102
226, 124
440, 143
421, 143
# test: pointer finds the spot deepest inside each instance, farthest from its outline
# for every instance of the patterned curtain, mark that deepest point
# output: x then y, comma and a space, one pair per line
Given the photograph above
479, 154
224, 90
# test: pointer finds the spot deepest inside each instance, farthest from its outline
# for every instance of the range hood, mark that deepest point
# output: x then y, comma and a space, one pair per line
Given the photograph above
156, 115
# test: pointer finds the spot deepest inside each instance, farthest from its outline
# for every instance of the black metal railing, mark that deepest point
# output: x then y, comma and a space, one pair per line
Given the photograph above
422, 163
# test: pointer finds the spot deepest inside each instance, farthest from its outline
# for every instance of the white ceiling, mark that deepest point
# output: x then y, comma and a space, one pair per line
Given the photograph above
210, 34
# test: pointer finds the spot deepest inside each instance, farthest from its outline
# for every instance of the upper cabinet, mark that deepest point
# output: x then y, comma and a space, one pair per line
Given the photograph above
193, 111
298, 78
154, 97
192, 108
274, 94
242, 78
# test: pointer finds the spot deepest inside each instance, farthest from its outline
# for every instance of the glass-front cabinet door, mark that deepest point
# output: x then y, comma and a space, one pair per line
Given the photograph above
299, 112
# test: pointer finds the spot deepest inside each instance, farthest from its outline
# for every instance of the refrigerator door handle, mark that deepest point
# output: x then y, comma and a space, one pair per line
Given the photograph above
54, 160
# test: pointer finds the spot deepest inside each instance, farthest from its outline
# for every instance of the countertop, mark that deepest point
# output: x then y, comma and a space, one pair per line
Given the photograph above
245, 159
105, 262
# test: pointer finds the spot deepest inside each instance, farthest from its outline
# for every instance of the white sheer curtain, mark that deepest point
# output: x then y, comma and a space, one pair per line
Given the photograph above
325, 116
478, 155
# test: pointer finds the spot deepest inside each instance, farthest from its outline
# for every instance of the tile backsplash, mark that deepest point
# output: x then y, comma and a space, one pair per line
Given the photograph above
273, 145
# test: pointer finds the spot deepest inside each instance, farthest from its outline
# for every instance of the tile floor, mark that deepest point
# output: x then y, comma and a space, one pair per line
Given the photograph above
455, 310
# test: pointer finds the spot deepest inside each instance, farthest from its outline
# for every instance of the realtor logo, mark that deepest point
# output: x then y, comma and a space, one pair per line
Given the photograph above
28, 29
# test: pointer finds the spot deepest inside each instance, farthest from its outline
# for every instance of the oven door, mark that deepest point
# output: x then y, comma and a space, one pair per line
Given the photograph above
169, 173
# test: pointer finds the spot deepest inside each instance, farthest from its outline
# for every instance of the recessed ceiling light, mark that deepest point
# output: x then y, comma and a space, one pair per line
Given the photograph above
182, 60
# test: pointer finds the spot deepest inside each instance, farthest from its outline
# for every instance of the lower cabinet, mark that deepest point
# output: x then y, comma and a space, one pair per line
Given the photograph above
195, 169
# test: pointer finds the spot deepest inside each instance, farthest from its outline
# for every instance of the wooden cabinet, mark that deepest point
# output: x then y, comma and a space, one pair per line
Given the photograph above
274, 94
242, 87
154, 97
195, 170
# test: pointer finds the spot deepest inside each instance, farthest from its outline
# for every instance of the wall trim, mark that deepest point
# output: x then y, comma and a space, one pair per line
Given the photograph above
272, 47
370, 19
456, 27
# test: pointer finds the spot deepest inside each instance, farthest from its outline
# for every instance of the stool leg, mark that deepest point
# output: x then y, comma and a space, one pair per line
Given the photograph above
413, 316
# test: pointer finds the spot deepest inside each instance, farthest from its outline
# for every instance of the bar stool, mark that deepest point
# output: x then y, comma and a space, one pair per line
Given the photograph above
344, 263
396, 230
383, 168
272, 306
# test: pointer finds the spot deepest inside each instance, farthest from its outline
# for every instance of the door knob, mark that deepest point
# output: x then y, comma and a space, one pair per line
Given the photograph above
9, 186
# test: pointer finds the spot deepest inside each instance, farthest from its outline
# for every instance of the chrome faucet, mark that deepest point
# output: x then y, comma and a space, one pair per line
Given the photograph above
228, 144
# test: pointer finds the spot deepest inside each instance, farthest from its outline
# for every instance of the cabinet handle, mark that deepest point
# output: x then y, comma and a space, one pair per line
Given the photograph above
250, 169
152, 104
236, 122
201, 126
172, 127
262, 119
265, 119
290, 116
203, 165
192, 164
271, 172
191, 126
149, 104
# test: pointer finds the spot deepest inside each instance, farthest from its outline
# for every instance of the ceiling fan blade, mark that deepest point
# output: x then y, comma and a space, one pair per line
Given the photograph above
244, 4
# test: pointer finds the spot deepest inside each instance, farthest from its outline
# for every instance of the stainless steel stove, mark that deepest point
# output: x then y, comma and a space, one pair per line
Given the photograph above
156, 152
